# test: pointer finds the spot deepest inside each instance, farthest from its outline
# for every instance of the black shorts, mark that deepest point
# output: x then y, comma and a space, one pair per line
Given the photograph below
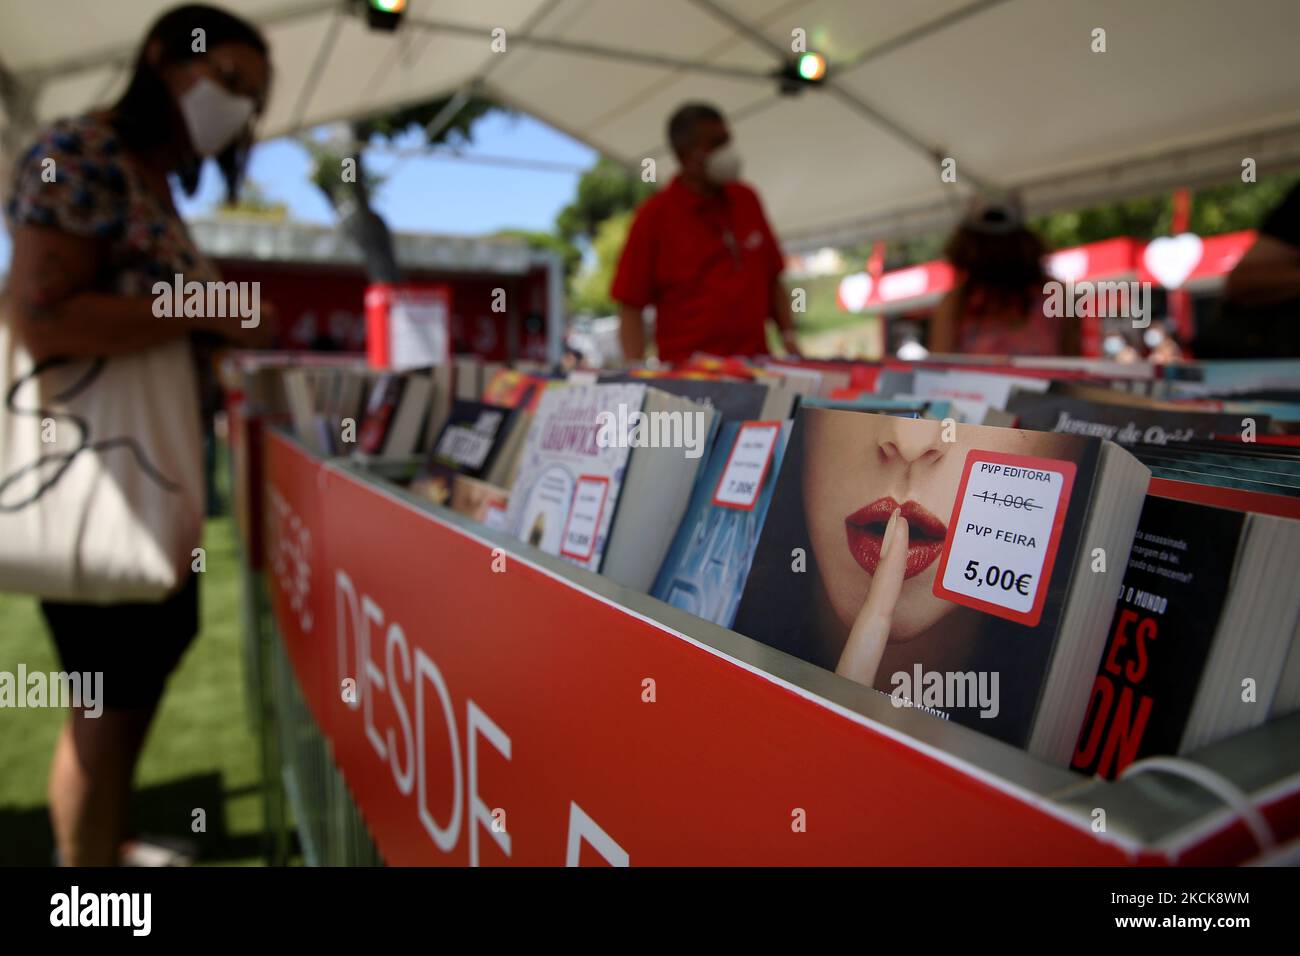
135, 646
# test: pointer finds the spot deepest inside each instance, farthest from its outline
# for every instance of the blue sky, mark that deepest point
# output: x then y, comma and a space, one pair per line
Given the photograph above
441, 195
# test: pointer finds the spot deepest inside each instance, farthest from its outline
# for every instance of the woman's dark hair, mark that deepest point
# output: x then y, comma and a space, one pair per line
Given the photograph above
145, 116
1001, 261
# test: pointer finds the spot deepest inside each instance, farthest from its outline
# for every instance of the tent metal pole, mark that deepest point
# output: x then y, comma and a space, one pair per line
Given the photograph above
556, 321
933, 153
317, 67
474, 86
594, 49
448, 113
755, 35
631, 164
920, 32
456, 154
435, 126
854, 102
124, 54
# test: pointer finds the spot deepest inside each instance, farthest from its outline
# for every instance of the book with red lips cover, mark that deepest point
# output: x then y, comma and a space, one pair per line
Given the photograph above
844, 475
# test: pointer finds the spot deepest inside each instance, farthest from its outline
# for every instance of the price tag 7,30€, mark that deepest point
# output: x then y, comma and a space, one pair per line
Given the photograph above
1006, 526
747, 465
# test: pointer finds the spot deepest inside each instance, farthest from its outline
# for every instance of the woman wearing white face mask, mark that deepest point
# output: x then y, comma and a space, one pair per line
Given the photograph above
94, 229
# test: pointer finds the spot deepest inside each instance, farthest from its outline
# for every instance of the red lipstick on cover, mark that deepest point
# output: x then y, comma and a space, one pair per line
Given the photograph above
865, 529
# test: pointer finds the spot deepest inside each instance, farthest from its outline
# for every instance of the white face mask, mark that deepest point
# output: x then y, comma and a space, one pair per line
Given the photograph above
214, 116
723, 165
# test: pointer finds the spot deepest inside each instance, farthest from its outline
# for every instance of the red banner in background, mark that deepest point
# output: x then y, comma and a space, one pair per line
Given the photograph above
502, 715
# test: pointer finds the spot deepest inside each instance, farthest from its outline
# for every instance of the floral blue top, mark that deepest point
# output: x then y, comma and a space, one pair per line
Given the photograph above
74, 178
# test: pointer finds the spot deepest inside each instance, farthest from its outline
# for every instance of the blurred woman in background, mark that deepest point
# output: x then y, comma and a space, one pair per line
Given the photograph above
995, 306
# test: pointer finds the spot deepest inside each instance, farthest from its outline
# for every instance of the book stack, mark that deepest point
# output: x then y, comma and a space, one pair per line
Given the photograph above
1090, 561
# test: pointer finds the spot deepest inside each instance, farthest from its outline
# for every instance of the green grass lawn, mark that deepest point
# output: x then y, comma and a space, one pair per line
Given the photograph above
201, 752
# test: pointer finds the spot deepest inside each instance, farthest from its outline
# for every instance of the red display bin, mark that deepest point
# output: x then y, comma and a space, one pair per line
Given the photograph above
488, 704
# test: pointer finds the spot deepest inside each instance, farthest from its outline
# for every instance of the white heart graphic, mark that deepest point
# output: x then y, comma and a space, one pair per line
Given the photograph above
1069, 266
1171, 259
855, 290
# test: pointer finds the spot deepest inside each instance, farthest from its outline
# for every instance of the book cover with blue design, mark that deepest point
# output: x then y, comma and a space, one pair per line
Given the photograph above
705, 569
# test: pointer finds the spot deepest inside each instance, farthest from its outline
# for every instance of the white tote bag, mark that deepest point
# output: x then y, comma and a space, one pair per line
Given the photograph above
101, 474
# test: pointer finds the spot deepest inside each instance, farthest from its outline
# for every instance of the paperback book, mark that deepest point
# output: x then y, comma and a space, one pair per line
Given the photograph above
470, 444
1207, 614
705, 570
979, 602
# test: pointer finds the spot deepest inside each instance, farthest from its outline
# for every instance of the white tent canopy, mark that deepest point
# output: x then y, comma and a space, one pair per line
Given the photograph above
1009, 89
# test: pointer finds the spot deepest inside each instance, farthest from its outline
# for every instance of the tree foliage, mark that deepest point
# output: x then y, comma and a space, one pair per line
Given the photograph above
350, 195
1227, 207
253, 202
590, 288
605, 190
459, 131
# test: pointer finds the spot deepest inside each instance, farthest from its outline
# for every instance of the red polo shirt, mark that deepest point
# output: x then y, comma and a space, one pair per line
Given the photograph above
706, 263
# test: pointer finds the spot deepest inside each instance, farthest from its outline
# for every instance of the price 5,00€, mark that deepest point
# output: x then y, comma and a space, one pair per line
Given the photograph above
994, 577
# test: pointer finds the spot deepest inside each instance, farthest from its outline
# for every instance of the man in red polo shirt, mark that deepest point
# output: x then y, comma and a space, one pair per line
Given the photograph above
701, 252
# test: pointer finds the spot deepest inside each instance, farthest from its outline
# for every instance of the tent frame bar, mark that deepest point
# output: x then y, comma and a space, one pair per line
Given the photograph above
920, 32
121, 55
596, 50
854, 102
1171, 166
323, 54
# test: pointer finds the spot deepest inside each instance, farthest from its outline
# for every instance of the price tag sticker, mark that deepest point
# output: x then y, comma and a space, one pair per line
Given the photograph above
583, 524
466, 447
419, 330
751, 457
1005, 529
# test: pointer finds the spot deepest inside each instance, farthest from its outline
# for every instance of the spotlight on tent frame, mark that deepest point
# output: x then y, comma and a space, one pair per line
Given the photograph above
805, 70
385, 15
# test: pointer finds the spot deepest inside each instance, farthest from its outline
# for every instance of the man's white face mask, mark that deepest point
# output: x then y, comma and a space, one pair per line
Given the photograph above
214, 116
723, 165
